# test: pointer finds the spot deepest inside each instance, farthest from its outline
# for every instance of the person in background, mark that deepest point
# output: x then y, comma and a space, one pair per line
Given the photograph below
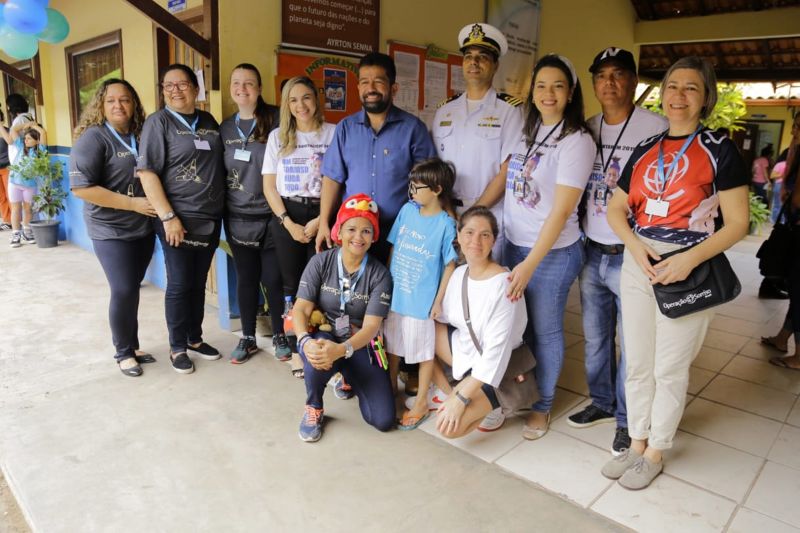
5, 206
118, 215
761, 170
183, 175
247, 215
617, 129
21, 189
679, 187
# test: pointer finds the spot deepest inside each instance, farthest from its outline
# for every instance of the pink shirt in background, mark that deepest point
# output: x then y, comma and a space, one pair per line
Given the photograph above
760, 166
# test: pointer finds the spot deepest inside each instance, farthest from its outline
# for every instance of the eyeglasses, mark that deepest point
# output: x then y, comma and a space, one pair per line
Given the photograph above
413, 187
181, 86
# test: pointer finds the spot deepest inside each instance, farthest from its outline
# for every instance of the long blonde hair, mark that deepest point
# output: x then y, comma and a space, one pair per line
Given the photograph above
93, 112
287, 136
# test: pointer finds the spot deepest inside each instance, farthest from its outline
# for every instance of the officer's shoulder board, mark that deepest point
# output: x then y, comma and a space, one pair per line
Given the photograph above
448, 100
510, 100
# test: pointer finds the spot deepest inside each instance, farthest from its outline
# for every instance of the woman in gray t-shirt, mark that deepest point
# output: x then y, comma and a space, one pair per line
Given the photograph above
183, 176
353, 291
117, 213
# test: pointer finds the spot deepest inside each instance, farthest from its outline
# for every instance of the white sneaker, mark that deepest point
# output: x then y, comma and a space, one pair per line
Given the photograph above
493, 421
435, 399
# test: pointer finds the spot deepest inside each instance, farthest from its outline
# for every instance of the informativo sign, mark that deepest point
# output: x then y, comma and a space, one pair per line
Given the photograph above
345, 26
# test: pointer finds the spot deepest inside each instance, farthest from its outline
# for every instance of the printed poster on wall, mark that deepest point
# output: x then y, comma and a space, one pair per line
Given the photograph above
344, 26
519, 22
335, 81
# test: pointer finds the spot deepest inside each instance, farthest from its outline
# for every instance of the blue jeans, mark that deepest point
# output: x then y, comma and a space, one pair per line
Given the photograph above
546, 298
185, 297
776, 201
370, 384
602, 312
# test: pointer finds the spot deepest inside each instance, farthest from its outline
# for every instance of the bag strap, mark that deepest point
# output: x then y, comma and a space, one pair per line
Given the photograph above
465, 308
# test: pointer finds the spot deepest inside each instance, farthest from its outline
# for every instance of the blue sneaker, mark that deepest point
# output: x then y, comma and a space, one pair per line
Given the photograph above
341, 389
311, 425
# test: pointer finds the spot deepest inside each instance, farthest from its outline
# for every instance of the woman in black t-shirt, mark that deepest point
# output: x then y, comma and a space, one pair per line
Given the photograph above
247, 215
676, 185
183, 176
102, 173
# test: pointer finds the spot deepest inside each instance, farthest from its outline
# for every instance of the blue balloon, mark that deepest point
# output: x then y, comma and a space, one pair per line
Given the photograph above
41, 3
2, 17
57, 27
18, 45
25, 16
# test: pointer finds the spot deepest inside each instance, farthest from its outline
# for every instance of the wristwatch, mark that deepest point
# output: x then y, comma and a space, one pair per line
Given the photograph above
464, 399
348, 350
282, 217
169, 216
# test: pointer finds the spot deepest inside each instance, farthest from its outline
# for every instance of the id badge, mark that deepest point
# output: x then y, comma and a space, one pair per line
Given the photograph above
201, 144
601, 195
519, 186
342, 325
241, 155
656, 207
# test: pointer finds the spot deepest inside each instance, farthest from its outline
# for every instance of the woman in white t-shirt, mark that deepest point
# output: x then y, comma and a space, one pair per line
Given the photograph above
292, 178
544, 178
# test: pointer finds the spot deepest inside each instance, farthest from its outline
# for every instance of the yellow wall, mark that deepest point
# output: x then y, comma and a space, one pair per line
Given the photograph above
775, 113
579, 29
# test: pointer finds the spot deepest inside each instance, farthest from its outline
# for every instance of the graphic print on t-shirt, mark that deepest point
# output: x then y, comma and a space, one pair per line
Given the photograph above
524, 186
188, 173
303, 175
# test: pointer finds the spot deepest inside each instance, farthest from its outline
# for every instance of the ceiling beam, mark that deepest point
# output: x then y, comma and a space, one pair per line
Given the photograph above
736, 75
169, 22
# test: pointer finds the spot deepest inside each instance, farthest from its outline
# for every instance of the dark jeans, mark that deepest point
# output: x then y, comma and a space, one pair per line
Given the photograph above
370, 384
253, 267
185, 299
124, 263
294, 256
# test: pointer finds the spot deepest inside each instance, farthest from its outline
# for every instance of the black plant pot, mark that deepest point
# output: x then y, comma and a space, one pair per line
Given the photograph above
45, 232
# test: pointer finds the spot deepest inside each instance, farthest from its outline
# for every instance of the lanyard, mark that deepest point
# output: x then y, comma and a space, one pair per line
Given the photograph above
131, 147
192, 126
242, 136
604, 163
662, 177
342, 279
541, 143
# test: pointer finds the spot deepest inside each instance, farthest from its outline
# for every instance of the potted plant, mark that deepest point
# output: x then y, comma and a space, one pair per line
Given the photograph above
759, 213
50, 196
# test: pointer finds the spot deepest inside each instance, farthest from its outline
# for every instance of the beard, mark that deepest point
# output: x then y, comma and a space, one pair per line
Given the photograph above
377, 106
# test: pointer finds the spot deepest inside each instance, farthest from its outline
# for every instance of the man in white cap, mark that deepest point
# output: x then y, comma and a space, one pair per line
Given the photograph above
617, 130
474, 130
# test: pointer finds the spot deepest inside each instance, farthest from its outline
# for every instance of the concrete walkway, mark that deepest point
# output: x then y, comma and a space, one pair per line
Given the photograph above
86, 449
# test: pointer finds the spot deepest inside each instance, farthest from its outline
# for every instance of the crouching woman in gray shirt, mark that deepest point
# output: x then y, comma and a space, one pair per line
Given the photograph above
353, 290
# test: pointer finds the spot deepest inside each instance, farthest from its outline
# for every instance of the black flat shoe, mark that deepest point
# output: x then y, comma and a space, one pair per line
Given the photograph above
206, 351
144, 358
134, 371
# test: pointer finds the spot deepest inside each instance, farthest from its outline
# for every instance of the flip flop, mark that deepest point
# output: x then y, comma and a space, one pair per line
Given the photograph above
144, 358
768, 341
407, 422
781, 362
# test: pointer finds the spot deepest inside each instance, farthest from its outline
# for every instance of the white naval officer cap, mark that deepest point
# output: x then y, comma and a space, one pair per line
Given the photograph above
483, 35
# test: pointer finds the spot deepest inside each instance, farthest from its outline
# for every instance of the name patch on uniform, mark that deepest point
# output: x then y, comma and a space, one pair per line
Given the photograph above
446, 123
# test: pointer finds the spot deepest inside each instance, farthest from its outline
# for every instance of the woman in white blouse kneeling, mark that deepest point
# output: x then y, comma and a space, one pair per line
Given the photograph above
498, 324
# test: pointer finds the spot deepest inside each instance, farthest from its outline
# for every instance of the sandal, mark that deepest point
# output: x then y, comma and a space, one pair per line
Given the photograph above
781, 362
298, 373
770, 341
131, 371
409, 421
296, 363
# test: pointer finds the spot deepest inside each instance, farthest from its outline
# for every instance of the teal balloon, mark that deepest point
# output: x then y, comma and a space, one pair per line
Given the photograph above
57, 27
18, 45
25, 16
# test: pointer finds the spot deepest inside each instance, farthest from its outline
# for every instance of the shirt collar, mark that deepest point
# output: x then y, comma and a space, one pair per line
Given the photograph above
392, 116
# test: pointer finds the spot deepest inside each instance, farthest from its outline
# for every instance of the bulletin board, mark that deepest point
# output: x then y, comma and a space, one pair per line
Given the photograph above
336, 78
427, 76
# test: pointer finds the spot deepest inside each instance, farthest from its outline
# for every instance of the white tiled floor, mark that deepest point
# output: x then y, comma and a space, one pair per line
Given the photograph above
735, 464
